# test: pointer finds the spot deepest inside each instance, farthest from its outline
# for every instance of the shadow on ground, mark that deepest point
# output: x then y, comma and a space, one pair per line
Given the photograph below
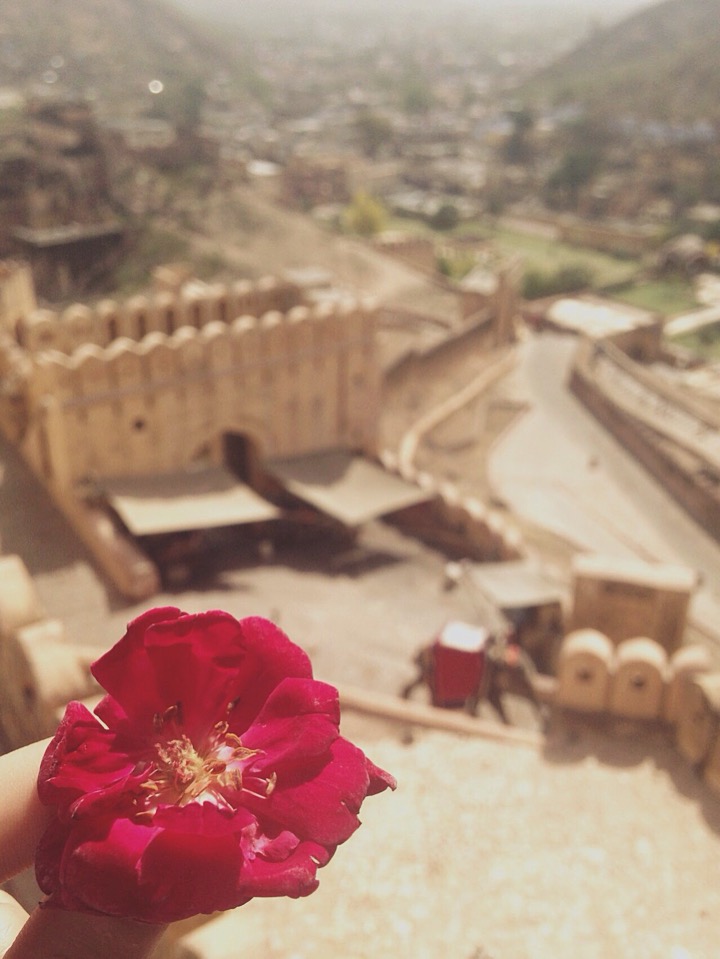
30, 525
623, 744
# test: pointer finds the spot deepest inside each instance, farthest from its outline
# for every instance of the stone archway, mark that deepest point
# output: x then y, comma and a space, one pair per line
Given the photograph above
240, 447
240, 452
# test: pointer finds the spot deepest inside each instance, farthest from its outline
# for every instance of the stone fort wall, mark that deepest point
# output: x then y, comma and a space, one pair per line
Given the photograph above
291, 382
166, 312
673, 438
158, 383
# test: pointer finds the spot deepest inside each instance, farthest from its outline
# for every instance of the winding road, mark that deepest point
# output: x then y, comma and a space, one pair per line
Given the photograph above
558, 467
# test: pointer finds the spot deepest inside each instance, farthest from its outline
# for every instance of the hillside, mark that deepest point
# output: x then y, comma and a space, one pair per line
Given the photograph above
242, 231
108, 49
659, 64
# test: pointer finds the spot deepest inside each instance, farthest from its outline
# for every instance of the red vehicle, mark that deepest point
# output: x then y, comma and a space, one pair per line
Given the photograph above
466, 664
459, 660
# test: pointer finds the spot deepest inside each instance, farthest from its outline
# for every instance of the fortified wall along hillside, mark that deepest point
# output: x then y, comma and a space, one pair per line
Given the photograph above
226, 384
150, 385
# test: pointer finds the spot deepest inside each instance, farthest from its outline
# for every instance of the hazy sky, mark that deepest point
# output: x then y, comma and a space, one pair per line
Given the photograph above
612, 7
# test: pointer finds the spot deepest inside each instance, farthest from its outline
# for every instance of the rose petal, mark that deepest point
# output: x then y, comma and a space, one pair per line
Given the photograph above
276, 849
80, 759
276, 658
99, 867
294, 876
297, 724
186, 873
323, 808
379, 780
205, 662
204, 819
123, 671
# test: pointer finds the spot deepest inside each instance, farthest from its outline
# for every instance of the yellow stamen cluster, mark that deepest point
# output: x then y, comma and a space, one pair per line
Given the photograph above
180, 773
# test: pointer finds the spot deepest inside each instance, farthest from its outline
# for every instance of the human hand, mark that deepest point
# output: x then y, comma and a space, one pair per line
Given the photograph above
51, 933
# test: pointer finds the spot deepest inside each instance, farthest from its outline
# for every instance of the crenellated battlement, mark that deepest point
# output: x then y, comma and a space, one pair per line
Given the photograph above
163, 312
297, 381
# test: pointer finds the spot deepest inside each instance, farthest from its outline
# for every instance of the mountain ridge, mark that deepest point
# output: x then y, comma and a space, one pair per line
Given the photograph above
107, 49
660, 63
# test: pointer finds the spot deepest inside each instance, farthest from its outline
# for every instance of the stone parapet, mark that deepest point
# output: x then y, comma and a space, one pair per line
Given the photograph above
162, 312
675, 442
297, 382
459, 526
39, 671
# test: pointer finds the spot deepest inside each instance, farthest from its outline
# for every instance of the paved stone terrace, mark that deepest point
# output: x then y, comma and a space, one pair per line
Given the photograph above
595, 846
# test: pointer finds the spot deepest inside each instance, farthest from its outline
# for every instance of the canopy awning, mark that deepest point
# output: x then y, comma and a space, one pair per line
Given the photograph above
519, 584
188, 500
345, 486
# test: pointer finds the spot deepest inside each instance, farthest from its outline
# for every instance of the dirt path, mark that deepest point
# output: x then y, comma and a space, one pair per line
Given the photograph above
261, 238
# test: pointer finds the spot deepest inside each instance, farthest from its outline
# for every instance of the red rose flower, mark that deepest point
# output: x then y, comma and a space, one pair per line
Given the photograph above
213, 771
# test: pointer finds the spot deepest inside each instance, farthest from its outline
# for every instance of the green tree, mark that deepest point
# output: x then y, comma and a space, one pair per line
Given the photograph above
374, 132
566, 279
365, 215
518, 146
446, 217
456, 266
577, 168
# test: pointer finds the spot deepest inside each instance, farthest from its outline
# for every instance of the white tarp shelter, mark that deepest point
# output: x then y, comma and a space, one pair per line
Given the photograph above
516, 584
187, 500
345, 485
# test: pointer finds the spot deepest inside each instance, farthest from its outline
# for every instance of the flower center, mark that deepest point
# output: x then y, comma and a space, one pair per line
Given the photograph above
180, 773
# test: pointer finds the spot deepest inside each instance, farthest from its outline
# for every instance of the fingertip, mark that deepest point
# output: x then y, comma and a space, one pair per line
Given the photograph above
12, 918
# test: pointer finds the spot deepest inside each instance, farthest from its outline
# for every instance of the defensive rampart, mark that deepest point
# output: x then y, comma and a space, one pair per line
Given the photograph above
164, 312
155, 384
675, 438
162, 383
293, 383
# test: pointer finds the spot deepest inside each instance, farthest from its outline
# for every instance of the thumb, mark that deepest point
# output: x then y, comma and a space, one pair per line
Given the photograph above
12, 918
57, 934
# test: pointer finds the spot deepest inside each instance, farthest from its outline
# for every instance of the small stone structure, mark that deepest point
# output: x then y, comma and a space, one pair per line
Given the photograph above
584, 671
460, 526
39, 671
618, 239
638, 681
633, 331
625, 598
417, 251
699, 719
309, 181
685, 663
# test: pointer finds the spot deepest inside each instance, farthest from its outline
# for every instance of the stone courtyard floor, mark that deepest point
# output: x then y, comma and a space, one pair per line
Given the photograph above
594, 846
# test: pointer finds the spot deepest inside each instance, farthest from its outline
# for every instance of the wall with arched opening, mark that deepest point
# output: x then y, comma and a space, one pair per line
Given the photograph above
306, 380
